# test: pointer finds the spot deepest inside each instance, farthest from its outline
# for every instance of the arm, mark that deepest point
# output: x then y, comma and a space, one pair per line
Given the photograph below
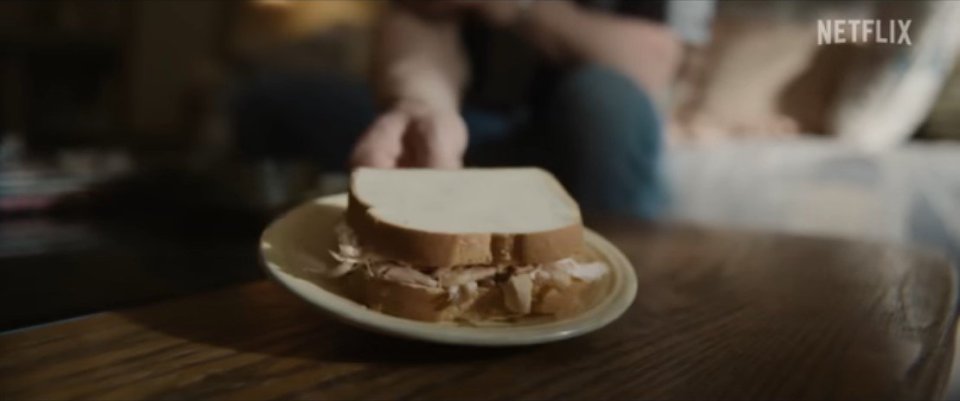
418, 58
420, 71
645, 51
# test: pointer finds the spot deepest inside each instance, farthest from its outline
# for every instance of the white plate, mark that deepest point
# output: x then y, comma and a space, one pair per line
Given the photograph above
297, 244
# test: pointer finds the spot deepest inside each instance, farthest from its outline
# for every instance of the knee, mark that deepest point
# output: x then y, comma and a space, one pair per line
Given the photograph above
605, 108
607, 133
602, 89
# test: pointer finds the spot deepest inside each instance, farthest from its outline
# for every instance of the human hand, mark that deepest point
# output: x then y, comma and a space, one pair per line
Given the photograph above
413, 134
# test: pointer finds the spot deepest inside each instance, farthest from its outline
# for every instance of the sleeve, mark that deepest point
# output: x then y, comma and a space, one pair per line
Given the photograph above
690, 19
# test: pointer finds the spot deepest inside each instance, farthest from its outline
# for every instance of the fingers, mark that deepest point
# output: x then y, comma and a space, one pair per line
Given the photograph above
381, 145
412, 139
442, 143
434, 141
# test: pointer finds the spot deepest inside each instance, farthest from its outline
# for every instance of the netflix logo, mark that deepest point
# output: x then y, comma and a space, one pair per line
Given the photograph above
894, 32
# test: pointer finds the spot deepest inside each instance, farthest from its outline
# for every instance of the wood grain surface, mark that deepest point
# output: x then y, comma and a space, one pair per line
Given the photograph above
719, 315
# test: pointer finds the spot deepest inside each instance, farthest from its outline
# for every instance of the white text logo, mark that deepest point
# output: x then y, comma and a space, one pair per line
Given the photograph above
832, 31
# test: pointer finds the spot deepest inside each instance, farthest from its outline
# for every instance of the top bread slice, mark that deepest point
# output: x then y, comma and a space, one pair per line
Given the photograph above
438, 218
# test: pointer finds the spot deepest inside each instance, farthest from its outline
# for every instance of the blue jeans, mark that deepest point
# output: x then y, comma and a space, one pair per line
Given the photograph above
599, 134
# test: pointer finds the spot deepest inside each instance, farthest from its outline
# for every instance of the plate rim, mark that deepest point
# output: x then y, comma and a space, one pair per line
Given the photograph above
606, 311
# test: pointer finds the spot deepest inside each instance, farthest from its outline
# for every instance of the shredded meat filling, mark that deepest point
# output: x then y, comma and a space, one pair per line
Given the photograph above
461, 283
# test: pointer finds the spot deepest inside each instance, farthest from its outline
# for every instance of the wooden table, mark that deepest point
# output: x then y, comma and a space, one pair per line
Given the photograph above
718, 315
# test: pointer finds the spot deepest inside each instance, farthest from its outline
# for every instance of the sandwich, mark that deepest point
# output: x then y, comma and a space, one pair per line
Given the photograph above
470, 245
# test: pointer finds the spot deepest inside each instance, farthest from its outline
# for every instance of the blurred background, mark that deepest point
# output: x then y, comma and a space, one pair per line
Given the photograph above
122, 181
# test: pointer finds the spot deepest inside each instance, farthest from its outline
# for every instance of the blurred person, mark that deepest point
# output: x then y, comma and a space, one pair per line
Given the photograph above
575, 87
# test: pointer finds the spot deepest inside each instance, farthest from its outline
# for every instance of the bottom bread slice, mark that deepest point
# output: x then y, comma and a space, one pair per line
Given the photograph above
475, 293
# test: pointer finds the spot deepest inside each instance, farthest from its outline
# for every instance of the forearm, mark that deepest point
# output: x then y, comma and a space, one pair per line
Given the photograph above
418, 59
645, 51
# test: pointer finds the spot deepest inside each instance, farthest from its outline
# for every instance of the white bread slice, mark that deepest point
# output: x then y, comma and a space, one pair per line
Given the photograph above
430, 217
